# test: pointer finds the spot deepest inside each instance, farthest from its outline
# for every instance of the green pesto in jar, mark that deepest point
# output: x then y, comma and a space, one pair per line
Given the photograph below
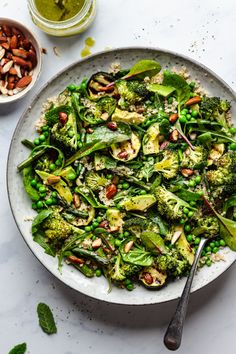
58, 10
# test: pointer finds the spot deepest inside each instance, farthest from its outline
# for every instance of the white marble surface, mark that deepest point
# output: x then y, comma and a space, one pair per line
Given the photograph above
202, 30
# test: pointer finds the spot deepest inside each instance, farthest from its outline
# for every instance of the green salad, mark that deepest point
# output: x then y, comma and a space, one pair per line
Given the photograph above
129, 170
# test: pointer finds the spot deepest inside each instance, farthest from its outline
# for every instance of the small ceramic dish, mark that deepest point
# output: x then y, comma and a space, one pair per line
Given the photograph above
20, 60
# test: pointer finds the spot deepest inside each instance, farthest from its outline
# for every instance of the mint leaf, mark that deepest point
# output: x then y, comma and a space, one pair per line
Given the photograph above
46, 319
18, 349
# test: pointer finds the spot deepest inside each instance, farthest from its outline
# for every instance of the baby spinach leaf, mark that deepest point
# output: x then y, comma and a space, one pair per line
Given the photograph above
19, 349
137, 256
46, 319
153, 242
27, 178
143, 68
179, 83
187, 195
108, 136
161, 90
40, 239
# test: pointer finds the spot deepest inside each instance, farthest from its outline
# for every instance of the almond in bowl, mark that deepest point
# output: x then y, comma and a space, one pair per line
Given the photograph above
20, 60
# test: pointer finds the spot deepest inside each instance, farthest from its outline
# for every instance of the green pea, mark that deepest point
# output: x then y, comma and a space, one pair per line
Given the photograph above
72, 87
54, 194
119, 186
71, 133
190, 214
121, 236
212, 244
36, 141
117, 243
232, 130
110, 176
182, 119
197, 240
40, 204
203, 253
142, 192
215, 249
217, 243
38, 185
194, 113
42, 189
188, 116
222, 243
46, 134
80, 144
43, 195
126, 233
58, 162
208, 262
52, 166
187, 228
98, 272
125, 185
45, 128
34, 205
232, 146
42, 137
192, 203
99, 219
189, 238
198, 179
49, 201
184, 111
208, 249
170, 100
118, 206
71, 176
193, 119
191, 183
130, 286
127, 281
95, 224
186, 210
182, 221
87, 228
33, 183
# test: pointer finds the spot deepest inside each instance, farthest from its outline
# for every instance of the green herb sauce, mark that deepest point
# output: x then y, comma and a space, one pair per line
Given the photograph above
59, 10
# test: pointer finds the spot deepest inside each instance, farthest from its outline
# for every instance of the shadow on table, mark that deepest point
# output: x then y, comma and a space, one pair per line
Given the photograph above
146, 316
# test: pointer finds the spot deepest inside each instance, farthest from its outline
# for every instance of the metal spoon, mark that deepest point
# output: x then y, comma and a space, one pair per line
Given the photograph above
173, 335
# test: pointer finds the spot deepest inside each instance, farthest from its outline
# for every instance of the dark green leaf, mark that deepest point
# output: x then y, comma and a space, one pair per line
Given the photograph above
108, 136
28, 175
44, 214
153, 242
143, 68
179, 83
90, 254
161, 90
19, 349
46, 319
188, 196
88, 195
40, 239
229, 203
211, 135
137, 256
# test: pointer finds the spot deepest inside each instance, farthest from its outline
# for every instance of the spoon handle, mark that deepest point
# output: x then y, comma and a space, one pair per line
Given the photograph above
173, 333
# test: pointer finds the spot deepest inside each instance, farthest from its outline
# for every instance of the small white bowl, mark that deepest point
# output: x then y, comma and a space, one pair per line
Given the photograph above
36, 71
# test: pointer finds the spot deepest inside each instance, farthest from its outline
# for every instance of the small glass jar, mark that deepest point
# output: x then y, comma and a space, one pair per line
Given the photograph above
74, 25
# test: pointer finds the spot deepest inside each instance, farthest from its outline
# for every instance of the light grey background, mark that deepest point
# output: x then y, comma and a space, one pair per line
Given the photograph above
206, 32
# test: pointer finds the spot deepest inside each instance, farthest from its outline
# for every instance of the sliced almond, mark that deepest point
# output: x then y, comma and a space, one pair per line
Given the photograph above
97, 243
2, 52
18, 71
175, 237
128, 246
53, 179
7, 67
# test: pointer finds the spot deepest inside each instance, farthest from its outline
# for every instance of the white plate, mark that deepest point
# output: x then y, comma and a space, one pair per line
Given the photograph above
21, 205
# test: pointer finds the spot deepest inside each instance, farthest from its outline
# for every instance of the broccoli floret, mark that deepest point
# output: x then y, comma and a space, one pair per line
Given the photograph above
65, 135
132, 91
173, 264
57, 228
209, 226
137, 225
96, 181
194, 159
225, 172
106, 105
122, 270
169, 165
215, 109
169, 205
